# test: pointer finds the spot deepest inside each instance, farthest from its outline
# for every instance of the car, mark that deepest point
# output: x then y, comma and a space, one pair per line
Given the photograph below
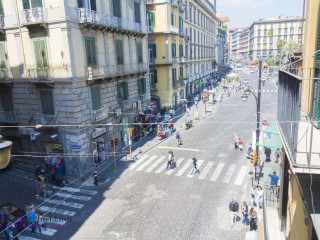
11, 213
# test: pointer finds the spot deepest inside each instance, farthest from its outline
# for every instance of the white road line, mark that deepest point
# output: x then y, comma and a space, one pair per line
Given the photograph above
271, 90
230, 171
217, 172
205, 171
63, 203
170, 171
133, 165
21, 237
163, 166
184, 168
267, 90
72, 196
54, 221
56, 211
76, 190
47, 231
199, 163
182, 149
241, 175
275, 90
146, 163
156, 163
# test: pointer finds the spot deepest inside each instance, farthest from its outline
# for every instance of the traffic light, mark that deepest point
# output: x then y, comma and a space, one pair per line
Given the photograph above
116, 141
130, 132
254, 157
113, 142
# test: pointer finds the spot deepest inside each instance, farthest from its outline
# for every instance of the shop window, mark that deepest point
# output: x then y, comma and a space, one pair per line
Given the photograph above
142, 86
95, 98
123, 93
46, 102
91, 53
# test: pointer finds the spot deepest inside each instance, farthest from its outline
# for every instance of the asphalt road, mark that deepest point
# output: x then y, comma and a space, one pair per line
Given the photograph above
143, 200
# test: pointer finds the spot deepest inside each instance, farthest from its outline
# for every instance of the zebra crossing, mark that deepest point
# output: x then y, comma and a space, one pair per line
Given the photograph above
267, 91
59, 210
212, 170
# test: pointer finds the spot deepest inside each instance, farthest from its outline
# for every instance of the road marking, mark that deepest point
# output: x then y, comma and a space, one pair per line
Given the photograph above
54, 221
179, 148
71, 196
217, 172
136, 163
47, 231
267, 90
56, 211
241, 175
21, 237
230, 171
205, 171
77, 190
184, 168
170, 171
160, 169
156, 163
271, 90
146, 163
199, 163
64, 203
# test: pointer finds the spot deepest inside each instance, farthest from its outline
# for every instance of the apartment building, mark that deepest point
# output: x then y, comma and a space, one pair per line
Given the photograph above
222, 38
235, 42
70, 70
181, 44
244, 44
265, 33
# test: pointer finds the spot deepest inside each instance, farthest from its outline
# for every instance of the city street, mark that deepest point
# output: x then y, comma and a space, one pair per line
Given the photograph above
143, 200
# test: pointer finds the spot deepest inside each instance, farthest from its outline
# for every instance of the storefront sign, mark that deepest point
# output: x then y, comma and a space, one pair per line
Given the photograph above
75, 147
99, 132
205, 96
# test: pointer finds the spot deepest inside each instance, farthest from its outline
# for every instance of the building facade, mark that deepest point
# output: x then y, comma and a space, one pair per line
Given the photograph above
264, 35
76, 72
182, 48
244, 44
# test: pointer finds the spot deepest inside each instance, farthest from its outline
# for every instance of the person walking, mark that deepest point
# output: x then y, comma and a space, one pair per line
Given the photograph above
240, 145
170, 156
278, 155
41, 222
95, 175
31, 218
194, 162
253, 193
236, 140
234, 209
40, 188
196, 101
244, 211
267, 152
259, 195
273, 182
253, 219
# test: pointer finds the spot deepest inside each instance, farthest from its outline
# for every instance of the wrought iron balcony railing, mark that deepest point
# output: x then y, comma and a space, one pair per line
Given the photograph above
32, 16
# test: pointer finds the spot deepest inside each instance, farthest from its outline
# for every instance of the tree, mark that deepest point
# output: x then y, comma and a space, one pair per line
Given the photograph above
280, 46
270, 32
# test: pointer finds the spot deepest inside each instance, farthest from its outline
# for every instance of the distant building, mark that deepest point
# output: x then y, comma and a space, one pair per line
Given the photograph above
244, 44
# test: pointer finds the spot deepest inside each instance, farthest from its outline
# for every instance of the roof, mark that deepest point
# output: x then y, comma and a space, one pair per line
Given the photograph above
275, 20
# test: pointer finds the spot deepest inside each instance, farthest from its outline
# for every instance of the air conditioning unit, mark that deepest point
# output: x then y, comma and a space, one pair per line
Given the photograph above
90, 75
139, 104
118, 112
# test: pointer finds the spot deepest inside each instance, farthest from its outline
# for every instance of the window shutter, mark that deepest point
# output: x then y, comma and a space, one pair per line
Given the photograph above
80, 3
93, 52
119, 91
181, 72
139, 86
126, 91
3, 57
47, 102
116, 8
144, 85
93, 5
175, 50
152, 17
154, 50
44, 53
1, 8
25, 4
155, 76
37, 53
36, 3
137, 12
172, 19
95, 96
316, 100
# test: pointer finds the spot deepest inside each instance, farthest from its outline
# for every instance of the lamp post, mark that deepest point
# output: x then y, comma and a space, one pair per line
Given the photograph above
244, 98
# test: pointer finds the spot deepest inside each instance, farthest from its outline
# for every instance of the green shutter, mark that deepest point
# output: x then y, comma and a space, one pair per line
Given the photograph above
181, 72
6, 98
155, 76
95, 97
181, 50
80, 4
144, 85
116, 8
91, 52
126, 91
93, 5
152, 17
46, 102
119, 91
137, 12
25, 4
119, 52
174, 50
1, 8
154, 50
40, 53
139, 52
316, 100
3, 57
139, 86
174, 75
36, 3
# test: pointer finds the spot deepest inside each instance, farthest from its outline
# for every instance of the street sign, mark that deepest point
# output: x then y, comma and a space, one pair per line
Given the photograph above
264, 123
75, 147
32, 136
205, 96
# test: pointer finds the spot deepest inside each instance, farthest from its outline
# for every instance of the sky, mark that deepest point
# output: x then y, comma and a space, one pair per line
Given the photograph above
242, 13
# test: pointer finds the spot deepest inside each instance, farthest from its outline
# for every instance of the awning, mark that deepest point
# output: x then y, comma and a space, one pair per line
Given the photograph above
270, 137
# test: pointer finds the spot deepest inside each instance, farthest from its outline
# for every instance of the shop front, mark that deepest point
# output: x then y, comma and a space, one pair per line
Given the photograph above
99, 141
53, 144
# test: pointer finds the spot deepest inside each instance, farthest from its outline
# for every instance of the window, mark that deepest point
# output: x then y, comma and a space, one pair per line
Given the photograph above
34, 4
151, 20
173, 18
154, 76
123, 93
95, 97
6, 98
180, 50
91, 53
285, 31
46, 102
174, 50
279, 31
3, 57
258, 52
116, 6
119, 51
142, 86
181, 73
152, 50
265, 32
40, 53
139, 52
180, 23
137, 12
259, 33
89, 4
174, 74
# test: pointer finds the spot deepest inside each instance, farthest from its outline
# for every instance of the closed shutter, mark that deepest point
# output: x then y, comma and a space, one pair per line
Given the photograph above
46, 102
174, 75
155, 76
316, 100
172, 19
116, 8
40, 53
6, 98
126, 91
144, 85
152, 21
139, 86
36, 3
93, 5
119, 52
90, 45
120, 97
25, 4
154, 50
80, 4
174, 50
3, 57
181, 73
139, 52
95, 97
137, 12
181, 50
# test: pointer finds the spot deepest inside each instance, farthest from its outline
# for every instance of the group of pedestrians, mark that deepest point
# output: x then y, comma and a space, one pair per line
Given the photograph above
34, 219
172, 164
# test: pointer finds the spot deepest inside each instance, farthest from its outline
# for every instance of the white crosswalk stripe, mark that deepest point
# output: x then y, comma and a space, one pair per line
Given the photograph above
199, 163
47, 231
63, 203
229, 173
170, 171
54, 221
267, 90
206, 170
241, 175
76, 190
160, 169
139, 161
146, 163
72, 196
56, 211
217, 172
21, 237
155, 164
184, 168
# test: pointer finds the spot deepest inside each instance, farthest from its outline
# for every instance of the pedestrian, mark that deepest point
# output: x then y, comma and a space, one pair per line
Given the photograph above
253, 193
31, 217
244, 211
194, 162
40, 188
41, 222
170, 157
29, 207
259, 196
253, 219
236, 140
182, 107
273, 182
278, 155
196, 101
95, 175
48, 164
267, 152
240, 145
234, 209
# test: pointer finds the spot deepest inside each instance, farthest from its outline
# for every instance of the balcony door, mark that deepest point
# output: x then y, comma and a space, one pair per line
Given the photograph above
28, 4
41, 56
87, 4
116, 7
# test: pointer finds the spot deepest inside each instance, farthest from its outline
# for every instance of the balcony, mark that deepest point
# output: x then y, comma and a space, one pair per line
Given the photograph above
5, 75
157, 1
105, 72
33, 18
176, 84
40, 75
7, 117
154, 86
100, 114
45, 119
174, 3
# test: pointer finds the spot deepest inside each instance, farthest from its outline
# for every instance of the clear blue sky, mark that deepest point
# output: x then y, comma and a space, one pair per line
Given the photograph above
243, 12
